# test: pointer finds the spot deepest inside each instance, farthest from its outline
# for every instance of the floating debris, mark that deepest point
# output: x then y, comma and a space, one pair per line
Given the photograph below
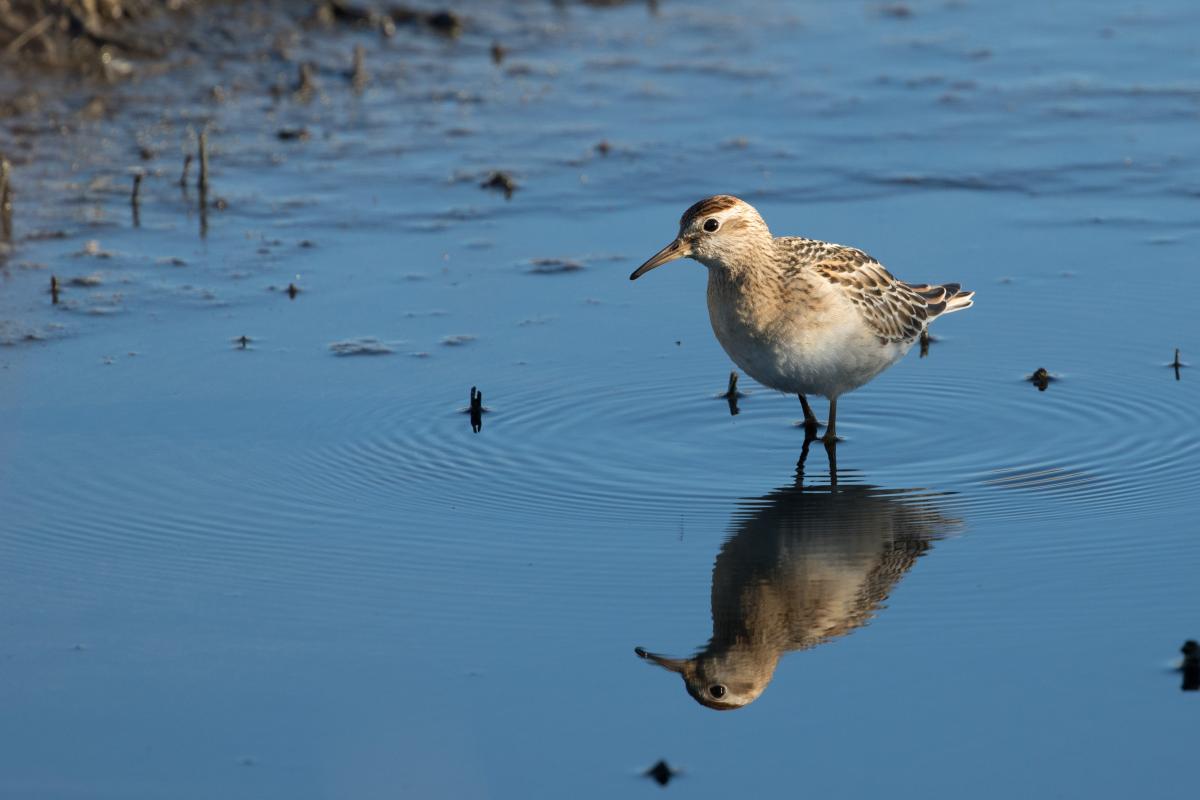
292, 291
476, 410
1190, 667
53, 290
500, 181
243, 342
661, 773
499, 52
92, 248
457, 340
86, 281
360, 347
896, 11
553, 266
172, 261
292, 135
603, 147
1041, 378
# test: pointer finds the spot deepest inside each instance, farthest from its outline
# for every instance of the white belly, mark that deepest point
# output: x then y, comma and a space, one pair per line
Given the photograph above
829, 353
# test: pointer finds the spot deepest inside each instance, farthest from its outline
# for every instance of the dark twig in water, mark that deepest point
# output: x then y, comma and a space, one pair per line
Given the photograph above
202, 180
476, 410
499, 51
53, 290
1177, 364
242, 342
135, 200
292, 291
5, 199
1040, 378
358, 73
661, 773
732, 394
305, 84
1190, 666
187, 165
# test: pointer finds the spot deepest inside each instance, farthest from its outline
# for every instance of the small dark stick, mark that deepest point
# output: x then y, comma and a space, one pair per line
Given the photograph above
292, 291
187, 165
732, 390
1176, 364
476, 410
499, 51
358, 75
305, 85
53, 290
202, 181
5, 199
243, 341
135, 200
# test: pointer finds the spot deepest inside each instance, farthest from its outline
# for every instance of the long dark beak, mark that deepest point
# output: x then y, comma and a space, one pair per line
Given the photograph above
672, 664
676, 249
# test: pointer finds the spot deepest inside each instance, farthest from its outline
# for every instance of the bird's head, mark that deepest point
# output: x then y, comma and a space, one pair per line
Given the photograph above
717, 231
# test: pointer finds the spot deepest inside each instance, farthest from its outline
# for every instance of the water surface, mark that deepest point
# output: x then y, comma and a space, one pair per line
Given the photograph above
277, 571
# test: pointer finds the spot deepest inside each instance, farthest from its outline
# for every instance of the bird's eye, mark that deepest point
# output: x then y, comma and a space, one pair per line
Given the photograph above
717, 691
711, 224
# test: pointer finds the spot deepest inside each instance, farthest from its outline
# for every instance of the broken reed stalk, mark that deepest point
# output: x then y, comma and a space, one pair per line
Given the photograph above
358, 75
187, 165
5, 199
135, 200
202, 180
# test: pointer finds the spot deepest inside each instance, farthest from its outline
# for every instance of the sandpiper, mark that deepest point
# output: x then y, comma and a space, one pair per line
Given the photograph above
799, 315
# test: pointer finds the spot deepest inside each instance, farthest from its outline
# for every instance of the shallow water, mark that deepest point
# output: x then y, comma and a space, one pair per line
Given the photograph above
277, 570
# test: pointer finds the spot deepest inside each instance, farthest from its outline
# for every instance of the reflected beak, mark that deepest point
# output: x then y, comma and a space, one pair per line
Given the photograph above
673, 664
676, 249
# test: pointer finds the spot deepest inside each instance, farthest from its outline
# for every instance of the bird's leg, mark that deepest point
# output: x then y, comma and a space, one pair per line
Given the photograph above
800, 464
831, 452
831, 429
810, 419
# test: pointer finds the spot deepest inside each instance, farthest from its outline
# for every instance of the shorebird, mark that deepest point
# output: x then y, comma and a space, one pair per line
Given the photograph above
803, 566
798, 315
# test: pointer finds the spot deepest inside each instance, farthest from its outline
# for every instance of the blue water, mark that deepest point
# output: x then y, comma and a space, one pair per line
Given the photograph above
280, 572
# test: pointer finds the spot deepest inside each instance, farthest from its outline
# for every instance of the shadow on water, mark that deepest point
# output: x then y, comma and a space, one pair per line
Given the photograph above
805, 564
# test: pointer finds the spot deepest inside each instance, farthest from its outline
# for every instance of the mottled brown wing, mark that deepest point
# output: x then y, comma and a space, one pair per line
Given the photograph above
895, 311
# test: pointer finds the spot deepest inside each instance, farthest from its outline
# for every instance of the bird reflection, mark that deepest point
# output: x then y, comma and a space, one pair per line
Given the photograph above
804, 565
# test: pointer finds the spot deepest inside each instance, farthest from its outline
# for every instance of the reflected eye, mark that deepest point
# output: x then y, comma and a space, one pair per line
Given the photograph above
711, 224
717, 691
